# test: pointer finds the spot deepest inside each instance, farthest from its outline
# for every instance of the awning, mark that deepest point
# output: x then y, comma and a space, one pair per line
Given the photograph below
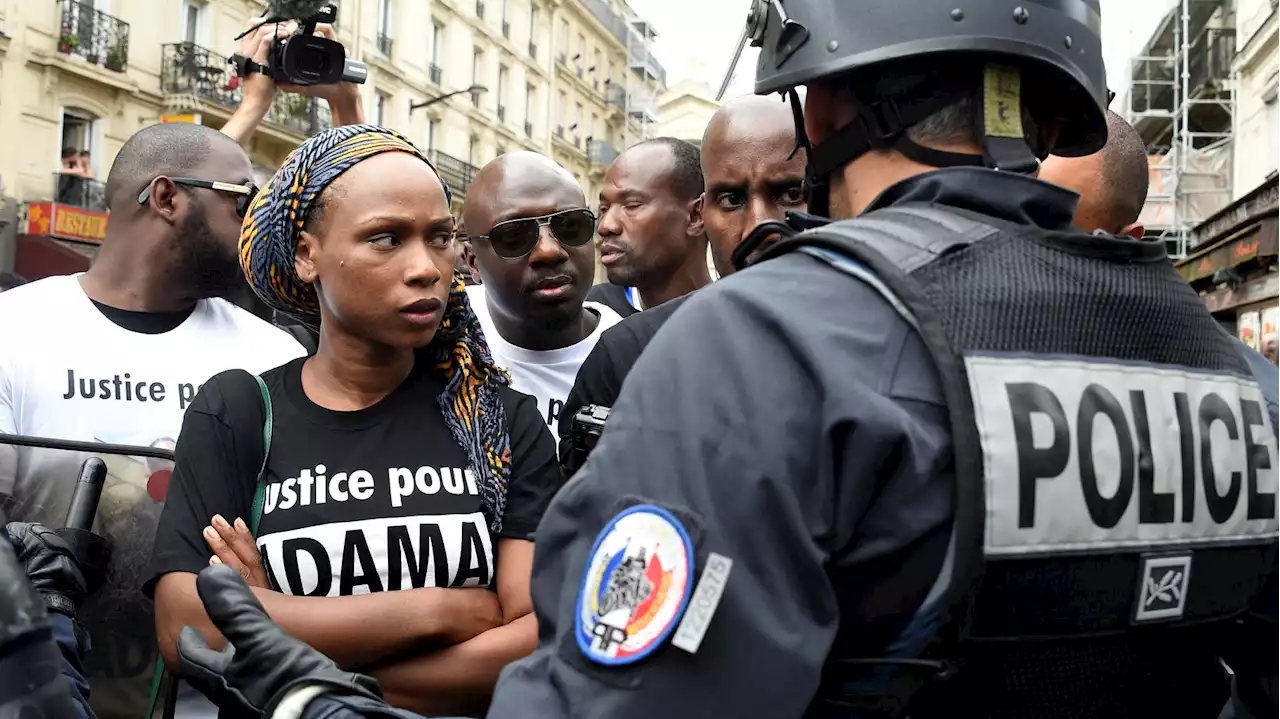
1257, 240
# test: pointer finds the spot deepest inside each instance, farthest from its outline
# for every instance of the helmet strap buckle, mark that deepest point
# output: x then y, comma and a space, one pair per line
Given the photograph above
881, 121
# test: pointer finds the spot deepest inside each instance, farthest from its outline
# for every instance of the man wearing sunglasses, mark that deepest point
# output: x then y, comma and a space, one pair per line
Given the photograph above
531, 233
117, 353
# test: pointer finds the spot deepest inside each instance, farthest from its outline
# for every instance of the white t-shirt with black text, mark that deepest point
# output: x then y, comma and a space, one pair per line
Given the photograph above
67, 371
546, 374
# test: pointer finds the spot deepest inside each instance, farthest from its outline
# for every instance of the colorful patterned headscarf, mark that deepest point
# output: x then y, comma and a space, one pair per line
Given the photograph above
472, 409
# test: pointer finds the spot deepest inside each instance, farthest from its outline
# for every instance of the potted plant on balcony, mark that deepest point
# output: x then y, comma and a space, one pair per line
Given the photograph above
300, 106
116, 57
68, 42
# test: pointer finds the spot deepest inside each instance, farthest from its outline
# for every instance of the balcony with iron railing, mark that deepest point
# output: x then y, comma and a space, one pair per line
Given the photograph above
384, 44
99, 38
435, 73
300, 114
189, 69
641, 107
79, 191
458, 173
648, 65
614, 22
601, 152
616, 95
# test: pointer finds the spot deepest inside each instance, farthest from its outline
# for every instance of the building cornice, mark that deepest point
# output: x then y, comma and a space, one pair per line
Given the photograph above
1254, 51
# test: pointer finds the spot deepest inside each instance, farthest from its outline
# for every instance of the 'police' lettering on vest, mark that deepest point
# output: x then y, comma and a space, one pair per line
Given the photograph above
1083, 455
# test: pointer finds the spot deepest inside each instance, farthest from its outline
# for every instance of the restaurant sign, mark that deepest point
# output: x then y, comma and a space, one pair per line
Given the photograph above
1259, 202
1223, 257
66, 222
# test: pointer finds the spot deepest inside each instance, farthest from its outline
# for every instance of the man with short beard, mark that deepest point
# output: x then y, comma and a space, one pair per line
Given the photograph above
751, 176
652, 243
117, 353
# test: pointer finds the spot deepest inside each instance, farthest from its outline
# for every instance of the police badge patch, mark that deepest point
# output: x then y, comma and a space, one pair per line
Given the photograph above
636, 586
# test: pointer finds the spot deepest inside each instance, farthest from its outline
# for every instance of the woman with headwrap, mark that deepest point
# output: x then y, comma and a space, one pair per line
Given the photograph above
398, 458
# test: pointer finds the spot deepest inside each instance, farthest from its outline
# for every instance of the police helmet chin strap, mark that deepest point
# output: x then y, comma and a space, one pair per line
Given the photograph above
816, 195
757, 241
883, 125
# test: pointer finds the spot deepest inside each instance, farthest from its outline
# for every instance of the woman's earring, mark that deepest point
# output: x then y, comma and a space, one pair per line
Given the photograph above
342, 263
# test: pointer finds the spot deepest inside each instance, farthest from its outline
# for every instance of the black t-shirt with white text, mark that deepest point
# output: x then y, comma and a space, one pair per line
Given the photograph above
371, 500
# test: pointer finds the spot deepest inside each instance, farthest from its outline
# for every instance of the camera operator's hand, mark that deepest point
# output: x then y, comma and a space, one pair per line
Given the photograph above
256, 46
50, 565
343, 98
260, 663
257, 90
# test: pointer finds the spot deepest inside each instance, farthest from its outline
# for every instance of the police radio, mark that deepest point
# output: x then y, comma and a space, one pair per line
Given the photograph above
584, 433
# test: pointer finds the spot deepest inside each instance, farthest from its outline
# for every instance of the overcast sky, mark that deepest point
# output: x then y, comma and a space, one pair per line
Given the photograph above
704, 33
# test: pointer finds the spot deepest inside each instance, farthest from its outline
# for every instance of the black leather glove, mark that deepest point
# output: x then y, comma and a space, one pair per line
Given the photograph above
31, 682
50, 565
260, 663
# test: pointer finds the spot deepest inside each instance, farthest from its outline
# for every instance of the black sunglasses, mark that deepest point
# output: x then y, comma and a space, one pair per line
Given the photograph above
245, 193
513, 239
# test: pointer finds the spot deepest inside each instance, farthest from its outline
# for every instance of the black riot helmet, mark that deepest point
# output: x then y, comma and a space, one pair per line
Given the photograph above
1029, 62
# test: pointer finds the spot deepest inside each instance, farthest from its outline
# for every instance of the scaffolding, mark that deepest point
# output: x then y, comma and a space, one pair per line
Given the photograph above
1182, 102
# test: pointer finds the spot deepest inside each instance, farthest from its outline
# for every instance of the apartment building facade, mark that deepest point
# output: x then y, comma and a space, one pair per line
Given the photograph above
1235, 263
465, 79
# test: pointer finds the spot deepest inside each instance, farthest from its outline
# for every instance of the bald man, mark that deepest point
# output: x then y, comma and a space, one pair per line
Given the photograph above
750, 177
531, 249
751, 174
115, 355
1112, 183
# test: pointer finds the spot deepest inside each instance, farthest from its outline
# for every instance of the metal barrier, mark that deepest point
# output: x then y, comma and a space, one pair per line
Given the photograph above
132, 483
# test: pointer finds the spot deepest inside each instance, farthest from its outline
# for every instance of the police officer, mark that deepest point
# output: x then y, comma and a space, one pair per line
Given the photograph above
40, 646
952, 456
953, 453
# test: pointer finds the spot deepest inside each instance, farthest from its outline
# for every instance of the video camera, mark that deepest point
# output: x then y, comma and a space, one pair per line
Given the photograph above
585, 431
305, 58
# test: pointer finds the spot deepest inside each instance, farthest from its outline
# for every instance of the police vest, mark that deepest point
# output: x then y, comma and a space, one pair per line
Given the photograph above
1115, 500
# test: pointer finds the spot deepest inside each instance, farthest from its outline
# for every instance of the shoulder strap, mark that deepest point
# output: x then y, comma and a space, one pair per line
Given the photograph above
260, 484
304, 337
164, 682
882, 249
906, 236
